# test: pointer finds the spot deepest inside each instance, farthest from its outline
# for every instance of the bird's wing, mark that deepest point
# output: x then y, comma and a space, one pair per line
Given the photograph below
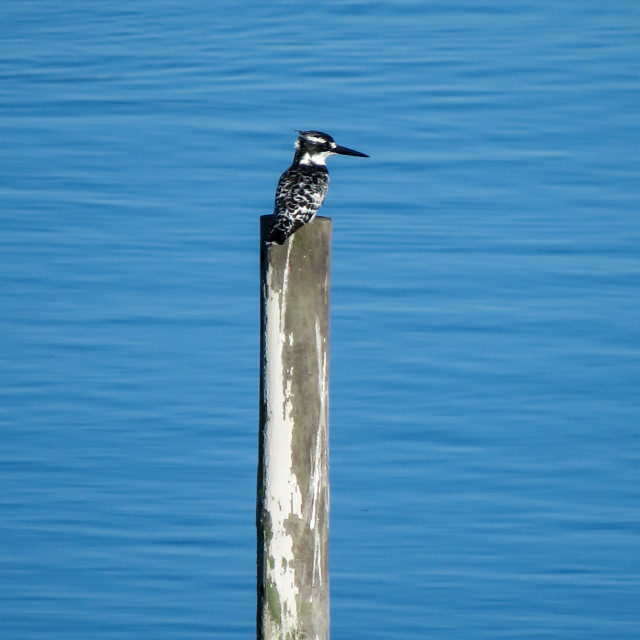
300, 193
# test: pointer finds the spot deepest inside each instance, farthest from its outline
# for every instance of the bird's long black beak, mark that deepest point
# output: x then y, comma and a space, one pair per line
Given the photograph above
344, 151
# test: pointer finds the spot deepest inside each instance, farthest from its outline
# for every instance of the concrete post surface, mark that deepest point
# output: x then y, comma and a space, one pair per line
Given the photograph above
293, 485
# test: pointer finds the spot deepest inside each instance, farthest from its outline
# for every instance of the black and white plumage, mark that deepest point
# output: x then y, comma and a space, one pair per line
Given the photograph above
303, 187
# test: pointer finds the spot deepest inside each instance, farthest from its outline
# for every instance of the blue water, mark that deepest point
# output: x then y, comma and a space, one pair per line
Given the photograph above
485, 357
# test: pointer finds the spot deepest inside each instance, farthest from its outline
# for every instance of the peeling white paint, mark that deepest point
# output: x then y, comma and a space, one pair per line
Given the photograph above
283, 499
285, 285
321, 361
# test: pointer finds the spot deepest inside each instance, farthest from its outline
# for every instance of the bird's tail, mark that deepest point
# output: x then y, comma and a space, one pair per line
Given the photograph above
282, 229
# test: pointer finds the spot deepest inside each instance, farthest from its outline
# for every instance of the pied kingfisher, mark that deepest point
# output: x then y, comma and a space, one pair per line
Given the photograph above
303, 187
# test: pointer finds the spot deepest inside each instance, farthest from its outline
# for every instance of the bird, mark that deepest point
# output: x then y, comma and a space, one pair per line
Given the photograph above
303, 187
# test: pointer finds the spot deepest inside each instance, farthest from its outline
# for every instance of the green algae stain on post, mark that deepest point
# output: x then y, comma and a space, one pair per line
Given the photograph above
292, 514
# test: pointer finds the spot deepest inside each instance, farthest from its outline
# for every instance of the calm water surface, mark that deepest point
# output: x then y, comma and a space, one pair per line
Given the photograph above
485, 419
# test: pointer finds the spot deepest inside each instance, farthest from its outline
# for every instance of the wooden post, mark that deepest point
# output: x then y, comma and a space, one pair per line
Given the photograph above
293, 482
